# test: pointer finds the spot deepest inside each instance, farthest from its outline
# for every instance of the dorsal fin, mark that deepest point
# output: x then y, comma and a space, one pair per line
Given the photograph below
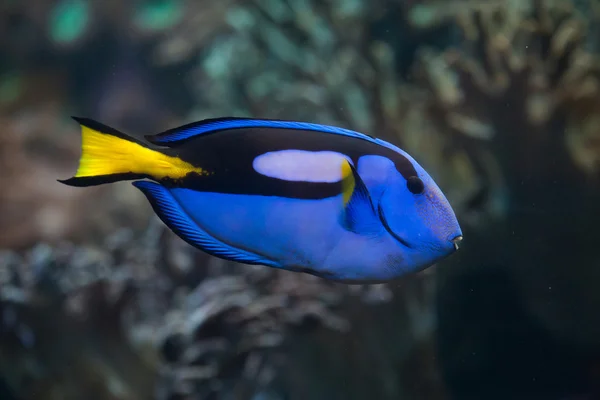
207, 126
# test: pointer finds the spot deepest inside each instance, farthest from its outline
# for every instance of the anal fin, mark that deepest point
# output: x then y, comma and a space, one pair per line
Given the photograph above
172, 214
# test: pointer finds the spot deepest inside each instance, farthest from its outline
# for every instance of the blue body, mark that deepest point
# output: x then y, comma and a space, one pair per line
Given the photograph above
383, 234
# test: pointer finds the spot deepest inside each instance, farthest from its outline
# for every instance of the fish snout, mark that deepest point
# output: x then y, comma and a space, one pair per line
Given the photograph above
456, 240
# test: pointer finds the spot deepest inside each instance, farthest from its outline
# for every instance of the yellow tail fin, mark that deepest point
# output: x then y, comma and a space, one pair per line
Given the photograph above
108, 155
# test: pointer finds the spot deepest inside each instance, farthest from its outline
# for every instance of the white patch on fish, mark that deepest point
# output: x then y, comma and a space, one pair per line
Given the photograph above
301, 165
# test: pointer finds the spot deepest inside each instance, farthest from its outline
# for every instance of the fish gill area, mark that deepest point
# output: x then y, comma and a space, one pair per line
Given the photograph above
499, 100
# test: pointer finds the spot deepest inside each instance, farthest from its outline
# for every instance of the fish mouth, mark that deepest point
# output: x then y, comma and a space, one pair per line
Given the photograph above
456, 241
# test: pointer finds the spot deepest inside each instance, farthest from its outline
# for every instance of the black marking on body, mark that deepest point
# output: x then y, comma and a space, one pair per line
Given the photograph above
387, 227
85, 181
230, 155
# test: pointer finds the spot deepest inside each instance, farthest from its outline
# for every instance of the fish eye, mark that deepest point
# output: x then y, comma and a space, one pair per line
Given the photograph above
415, 185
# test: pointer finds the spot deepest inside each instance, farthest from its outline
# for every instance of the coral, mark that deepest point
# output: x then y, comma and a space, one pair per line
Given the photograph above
134, 311
178, 29
60, 336
515, 106
503, 113
522, 78
298, 60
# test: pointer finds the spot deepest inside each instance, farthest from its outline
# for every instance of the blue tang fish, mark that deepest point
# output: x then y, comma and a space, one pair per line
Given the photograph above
297, 196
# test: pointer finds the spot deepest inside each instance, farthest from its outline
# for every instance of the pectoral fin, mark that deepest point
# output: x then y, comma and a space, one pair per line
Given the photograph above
359, 215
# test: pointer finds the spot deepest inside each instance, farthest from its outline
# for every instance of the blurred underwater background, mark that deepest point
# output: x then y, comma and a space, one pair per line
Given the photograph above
499, 100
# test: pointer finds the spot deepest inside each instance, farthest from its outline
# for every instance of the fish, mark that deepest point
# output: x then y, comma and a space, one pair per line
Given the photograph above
298, 196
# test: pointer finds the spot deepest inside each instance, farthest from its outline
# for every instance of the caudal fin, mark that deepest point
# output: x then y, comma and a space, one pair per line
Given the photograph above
108, 155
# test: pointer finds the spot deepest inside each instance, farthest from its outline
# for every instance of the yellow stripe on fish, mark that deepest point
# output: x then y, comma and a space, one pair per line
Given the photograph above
348, 183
